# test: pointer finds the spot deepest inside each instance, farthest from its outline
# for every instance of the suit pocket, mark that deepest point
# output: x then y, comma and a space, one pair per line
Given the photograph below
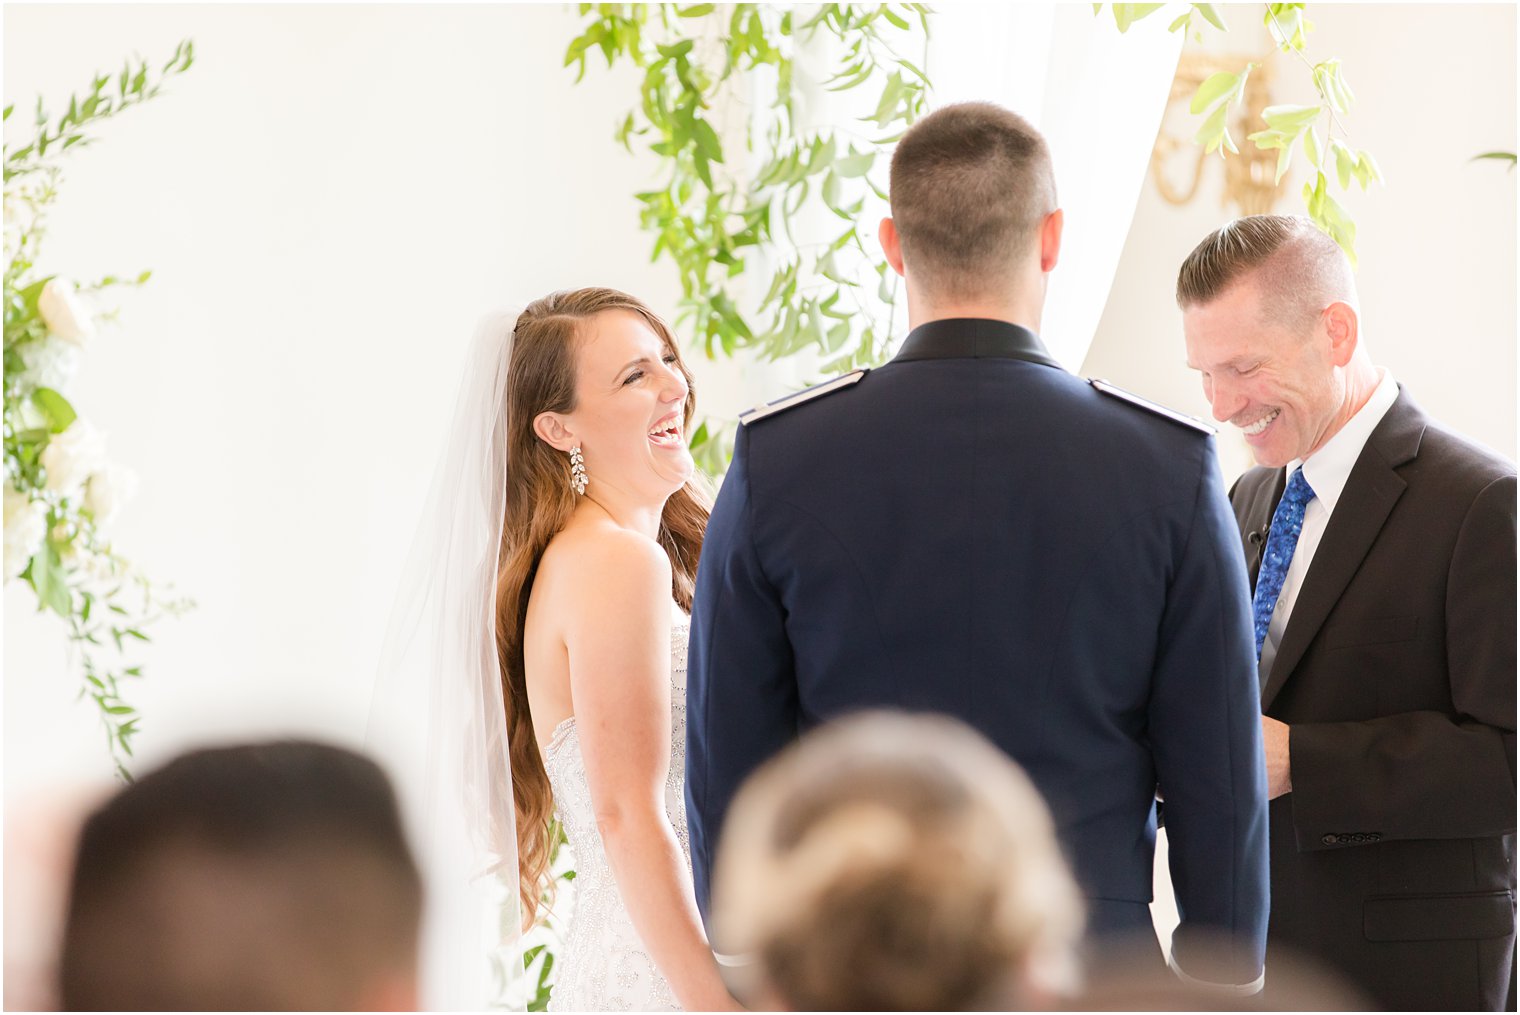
1439, 917
1372, 631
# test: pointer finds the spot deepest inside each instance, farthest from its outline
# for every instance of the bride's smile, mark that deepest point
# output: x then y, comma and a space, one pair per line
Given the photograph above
632, 400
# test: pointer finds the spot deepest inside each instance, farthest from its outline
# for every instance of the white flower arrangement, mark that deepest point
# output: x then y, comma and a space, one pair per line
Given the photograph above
66, 317
60, 491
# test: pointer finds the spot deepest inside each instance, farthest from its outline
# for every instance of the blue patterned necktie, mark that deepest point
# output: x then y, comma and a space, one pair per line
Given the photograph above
1287, 523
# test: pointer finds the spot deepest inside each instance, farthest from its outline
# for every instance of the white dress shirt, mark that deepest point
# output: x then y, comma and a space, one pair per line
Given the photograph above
1327, 471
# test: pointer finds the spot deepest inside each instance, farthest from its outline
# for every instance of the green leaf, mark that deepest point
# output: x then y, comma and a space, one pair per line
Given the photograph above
831, 189
1339, 89
1212, 90
1345, 164
1181, 22
1211, 15
1339, 225
707, 141
1497, 157
1127, 14
1284, 159
855, 165
891, 95
695, 10
1312, 150
50, 582
1367, 169
55, 409
1290, 119
1266, 140
1212, 132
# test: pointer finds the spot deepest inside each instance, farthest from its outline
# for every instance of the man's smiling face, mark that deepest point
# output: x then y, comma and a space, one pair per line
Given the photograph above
1280, 387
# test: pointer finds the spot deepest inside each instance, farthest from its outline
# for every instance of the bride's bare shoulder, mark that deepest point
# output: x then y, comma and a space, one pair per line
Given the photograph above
592, 555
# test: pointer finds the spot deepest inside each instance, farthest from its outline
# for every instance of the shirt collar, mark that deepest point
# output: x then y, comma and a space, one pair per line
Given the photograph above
963, 337
1328, 469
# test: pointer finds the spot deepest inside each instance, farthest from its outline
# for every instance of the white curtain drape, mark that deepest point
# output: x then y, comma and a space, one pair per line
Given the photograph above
1098, 97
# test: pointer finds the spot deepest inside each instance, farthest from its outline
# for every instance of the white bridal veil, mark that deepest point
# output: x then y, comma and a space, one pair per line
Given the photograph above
437, 722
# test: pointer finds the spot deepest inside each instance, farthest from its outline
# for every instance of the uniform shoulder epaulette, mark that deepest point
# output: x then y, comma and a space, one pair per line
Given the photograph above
1149, 406
805, 395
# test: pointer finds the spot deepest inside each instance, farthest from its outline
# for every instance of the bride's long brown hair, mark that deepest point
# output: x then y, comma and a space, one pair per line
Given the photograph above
541, 378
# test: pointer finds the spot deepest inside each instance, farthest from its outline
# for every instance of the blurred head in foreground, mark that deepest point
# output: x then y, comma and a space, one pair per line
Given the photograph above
891, 862
269, 876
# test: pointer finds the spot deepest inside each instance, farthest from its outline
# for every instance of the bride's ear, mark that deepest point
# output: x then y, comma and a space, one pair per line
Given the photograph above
551, 429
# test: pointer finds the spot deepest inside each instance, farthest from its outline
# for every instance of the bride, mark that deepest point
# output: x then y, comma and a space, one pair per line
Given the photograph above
600, 538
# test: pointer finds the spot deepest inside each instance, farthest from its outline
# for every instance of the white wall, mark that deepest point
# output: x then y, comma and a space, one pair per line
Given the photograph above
1435, 85
329, 199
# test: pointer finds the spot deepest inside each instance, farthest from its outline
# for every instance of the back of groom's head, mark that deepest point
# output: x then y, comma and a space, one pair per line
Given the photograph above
267, 876
971, 184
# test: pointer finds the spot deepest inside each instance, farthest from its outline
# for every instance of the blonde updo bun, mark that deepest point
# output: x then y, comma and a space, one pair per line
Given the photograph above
896, 862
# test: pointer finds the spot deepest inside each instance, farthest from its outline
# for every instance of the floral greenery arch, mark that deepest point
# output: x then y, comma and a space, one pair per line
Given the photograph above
60, 491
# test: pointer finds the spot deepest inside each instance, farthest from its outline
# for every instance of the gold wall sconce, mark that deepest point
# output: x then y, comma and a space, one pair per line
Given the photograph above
1177, 163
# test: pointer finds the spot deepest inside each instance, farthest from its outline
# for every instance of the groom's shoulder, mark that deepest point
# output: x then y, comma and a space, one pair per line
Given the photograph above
1155, 410
817, 391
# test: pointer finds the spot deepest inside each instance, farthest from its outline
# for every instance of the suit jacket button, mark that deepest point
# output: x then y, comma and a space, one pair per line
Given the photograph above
1328, 840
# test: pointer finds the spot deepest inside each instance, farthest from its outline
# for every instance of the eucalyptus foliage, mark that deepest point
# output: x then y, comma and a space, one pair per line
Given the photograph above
59, 491
1508, 157
1314, 129
733, 182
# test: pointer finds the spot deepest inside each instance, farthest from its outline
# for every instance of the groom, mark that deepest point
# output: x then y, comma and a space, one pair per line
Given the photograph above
971, 530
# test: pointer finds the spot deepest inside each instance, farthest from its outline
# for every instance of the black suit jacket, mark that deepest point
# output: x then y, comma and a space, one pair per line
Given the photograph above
1393, 856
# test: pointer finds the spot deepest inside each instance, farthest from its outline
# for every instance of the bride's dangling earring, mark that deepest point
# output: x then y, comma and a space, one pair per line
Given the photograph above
577, 470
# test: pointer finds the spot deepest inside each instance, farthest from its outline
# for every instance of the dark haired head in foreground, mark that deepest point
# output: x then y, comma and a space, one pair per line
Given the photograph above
268, 876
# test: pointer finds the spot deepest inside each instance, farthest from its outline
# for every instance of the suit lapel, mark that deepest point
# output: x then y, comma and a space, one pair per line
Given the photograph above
1370, 494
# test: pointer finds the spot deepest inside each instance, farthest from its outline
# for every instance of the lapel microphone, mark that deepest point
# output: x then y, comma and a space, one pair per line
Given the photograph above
1259, 537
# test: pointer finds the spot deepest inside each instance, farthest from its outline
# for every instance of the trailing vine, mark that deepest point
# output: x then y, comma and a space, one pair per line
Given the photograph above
719, 211
1316, 129
60, 492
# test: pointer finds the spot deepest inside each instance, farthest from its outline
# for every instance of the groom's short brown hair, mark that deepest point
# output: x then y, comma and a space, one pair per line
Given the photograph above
970, 185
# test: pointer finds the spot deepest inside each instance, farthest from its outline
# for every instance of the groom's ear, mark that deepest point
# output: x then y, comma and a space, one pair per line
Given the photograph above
551, 429
891, 245
1050, 239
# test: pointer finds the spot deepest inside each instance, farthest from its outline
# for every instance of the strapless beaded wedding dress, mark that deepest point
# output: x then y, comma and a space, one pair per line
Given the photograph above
604, 966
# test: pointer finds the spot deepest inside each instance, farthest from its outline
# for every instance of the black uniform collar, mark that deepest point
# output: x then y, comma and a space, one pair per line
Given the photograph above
962, 337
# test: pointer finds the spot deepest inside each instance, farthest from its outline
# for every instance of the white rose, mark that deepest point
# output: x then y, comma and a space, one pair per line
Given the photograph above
70, 457
107, 490
48, 363
65, 313
25, 527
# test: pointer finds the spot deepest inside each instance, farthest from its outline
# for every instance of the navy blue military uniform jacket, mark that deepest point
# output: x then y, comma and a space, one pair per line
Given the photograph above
972, 530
